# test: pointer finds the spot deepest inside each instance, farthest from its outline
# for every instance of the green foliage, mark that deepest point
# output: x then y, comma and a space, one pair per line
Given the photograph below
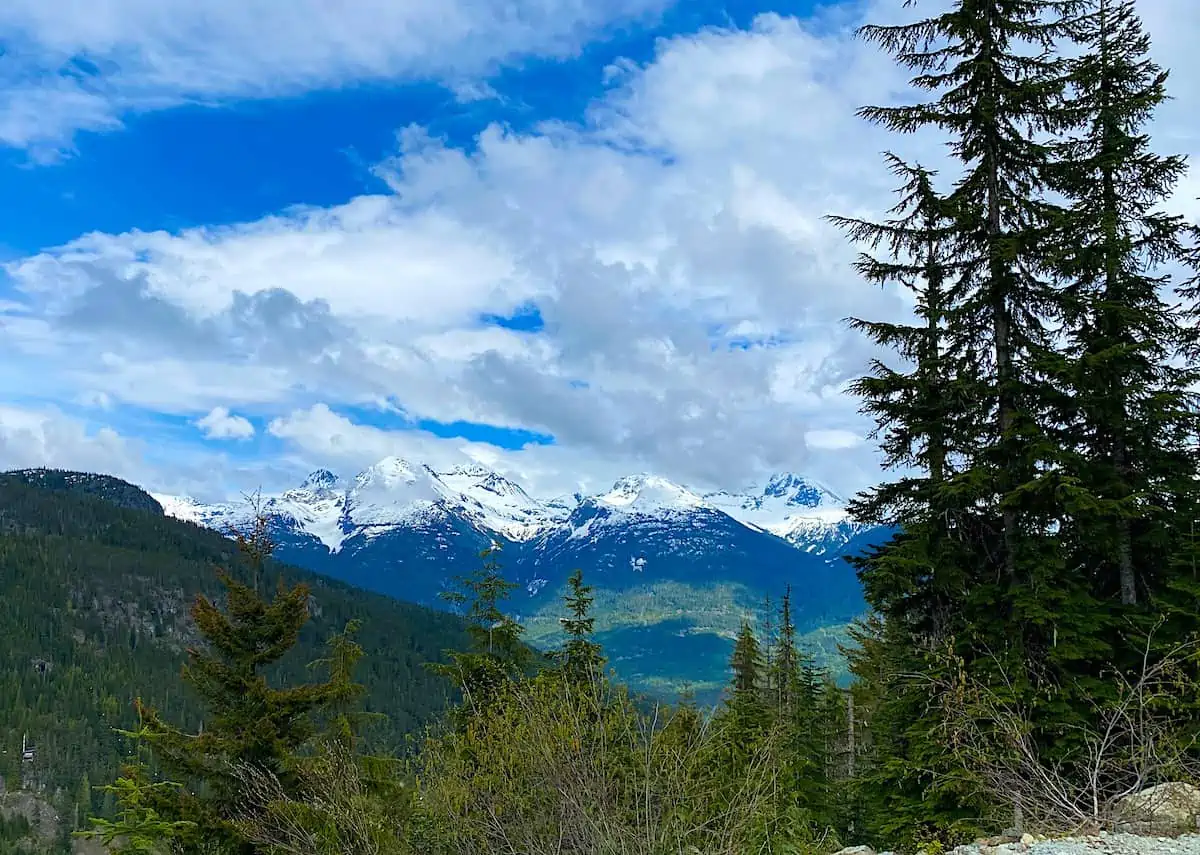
1041, 410
556, 766
496, 654
94, 609
338, 801
339, 804
580, 657
137, 827
250, 723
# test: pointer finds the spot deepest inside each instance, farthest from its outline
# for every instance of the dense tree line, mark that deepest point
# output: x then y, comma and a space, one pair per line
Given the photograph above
1041, 413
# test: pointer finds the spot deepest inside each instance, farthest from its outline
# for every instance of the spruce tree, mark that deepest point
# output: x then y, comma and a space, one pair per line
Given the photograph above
497, 656
1129, 424
746, 665
976, 570
929, 424
795, 697
249, 721
785, 664
998, 87
581, 657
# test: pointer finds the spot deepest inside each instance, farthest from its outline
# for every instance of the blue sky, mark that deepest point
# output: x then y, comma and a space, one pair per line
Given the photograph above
244, 239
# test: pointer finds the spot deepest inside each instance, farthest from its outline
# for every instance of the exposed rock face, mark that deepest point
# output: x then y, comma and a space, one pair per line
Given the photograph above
1172, 806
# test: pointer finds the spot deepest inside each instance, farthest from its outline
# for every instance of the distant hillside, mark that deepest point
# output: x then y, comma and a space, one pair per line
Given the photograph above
112, 490
95, 588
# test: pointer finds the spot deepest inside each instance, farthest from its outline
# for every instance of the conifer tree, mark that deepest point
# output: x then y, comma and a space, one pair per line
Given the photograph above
582, 659
497, 654
795, 699
344, 800
747, 666
770, 643
929, 425
926, 411
136, 826
1132, 471
998, 86
785, 665
975, 568
250, 722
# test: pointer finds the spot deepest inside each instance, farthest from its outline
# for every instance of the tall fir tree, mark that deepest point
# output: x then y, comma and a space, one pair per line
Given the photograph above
1130, 421
795, 698
998, 89
977, 571
497, 656
746, 664
784, 667
582, 658
929, 425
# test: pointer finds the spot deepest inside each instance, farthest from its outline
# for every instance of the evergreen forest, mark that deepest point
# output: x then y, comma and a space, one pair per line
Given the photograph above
1031, 656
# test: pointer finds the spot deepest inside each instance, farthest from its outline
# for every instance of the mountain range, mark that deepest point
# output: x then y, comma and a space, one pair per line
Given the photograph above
675, 570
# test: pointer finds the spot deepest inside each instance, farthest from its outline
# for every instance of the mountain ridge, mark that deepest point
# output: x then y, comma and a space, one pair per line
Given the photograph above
395, 491
675, 569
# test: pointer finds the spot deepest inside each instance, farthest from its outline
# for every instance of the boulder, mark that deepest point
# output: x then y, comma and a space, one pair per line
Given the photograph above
1172, 806
856, 850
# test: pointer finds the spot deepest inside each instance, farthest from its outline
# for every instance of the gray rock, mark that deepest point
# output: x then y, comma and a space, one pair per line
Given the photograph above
1170, 806
856, 850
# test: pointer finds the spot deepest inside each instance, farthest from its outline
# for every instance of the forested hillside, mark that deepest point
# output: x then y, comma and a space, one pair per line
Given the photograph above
94, 612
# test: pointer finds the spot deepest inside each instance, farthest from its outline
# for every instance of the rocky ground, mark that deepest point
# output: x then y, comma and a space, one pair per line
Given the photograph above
1100, 844
1108, 844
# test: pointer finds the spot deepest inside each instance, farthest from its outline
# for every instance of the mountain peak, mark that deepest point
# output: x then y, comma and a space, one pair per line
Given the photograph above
796, 491
320, 479
391, 471
469, 470
477, 476
646, 493
107, 487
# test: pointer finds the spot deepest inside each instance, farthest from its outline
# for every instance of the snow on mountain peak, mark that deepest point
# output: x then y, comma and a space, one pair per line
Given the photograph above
469, 470
498, 504
797, 491
789, 506
395, 492
648, 494
391, 472
319, 480
392, 491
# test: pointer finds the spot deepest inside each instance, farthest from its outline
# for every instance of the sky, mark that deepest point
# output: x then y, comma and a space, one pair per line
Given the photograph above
567, 239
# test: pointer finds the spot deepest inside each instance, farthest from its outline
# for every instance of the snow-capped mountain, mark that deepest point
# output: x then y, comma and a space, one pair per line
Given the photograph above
396, 493
664, 559
499, 505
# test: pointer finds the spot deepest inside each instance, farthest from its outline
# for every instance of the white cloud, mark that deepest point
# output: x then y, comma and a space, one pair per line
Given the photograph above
832, 440
222, 424
83, 64
34, 437
31, 438
319, 436
673, 243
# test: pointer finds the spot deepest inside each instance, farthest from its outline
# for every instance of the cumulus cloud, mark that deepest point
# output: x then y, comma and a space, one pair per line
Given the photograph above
48, 436
691, 294
32, 438
222, 424
84, 64
319, 436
